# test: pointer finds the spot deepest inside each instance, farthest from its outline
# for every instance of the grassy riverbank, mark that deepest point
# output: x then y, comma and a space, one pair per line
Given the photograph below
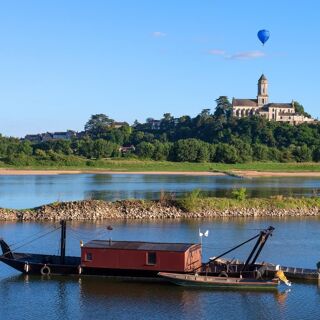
193, 203
155, 166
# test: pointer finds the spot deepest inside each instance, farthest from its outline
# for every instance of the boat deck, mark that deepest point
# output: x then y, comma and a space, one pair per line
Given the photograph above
45, 259
235, 266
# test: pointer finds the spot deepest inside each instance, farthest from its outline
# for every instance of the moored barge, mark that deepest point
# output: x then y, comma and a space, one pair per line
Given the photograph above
131, 259
136, 260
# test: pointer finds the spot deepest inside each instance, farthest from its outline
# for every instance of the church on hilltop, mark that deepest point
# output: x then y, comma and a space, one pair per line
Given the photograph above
282, 112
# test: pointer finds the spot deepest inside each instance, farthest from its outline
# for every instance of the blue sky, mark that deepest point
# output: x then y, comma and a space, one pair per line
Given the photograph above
62, 61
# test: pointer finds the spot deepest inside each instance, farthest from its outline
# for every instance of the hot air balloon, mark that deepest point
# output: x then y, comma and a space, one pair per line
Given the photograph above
263, 36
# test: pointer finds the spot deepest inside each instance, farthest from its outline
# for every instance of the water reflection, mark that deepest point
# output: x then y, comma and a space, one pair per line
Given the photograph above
98, 297
181, 302
97, 179
295, 242
282, 296
31, 191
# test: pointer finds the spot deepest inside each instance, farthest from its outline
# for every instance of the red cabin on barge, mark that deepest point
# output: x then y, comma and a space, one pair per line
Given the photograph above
134, 258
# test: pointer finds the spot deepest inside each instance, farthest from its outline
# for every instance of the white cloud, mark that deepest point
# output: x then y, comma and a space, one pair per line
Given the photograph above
217, 52
246, 55
158, 34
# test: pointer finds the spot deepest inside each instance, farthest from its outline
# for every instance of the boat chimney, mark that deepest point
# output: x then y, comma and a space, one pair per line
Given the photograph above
63, 242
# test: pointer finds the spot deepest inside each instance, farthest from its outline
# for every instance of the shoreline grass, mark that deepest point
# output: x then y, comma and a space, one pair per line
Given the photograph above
272, 203
154, 166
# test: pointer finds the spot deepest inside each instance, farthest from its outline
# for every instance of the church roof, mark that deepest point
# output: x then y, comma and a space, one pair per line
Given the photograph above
263, 77
245, 102
279, 105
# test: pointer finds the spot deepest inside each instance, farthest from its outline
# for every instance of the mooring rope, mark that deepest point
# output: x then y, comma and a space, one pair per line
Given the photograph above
43, 235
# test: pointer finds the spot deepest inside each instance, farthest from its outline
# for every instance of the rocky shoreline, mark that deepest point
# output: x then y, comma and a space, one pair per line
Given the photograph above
93, 210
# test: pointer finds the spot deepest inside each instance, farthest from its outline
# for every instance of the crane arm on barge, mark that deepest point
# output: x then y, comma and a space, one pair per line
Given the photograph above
262, 239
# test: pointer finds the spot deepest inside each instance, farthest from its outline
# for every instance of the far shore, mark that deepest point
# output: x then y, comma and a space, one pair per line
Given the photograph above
256, 174
238, 173
56, 172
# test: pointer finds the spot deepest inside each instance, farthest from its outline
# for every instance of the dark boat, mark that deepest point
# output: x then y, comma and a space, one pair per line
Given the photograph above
206, 281
32, 263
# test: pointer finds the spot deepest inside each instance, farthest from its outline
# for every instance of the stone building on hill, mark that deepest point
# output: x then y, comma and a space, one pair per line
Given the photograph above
282, 112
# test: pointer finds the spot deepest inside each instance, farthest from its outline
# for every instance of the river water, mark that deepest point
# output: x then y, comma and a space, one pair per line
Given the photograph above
296, 242
34, 190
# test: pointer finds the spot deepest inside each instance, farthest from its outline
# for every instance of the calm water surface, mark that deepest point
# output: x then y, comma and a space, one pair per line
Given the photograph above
30, 191
295, 242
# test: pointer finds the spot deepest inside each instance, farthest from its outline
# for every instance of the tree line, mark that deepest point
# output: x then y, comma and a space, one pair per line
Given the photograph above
208, 137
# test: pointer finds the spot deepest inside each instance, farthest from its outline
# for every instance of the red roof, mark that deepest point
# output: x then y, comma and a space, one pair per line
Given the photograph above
138, 245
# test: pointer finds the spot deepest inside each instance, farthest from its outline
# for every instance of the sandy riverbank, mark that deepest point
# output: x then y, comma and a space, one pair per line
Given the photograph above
56, 172
256, 174
240, 173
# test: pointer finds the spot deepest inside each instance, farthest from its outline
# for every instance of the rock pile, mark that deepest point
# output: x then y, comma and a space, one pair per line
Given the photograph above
139, 209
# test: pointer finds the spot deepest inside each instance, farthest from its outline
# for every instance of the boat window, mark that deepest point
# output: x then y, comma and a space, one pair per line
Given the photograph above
88, 256
151, 258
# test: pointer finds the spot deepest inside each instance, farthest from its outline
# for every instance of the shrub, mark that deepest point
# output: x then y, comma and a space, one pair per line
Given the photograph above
240, 194
191, 200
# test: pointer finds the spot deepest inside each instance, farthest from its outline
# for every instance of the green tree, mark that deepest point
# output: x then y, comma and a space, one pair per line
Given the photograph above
223, 108
62, 146
226, 153
316, 154
145, 150
86, 147
274, 154
302, 153
260, 152
286, 155
99, 148
212, 152
161, 150
300, 109
104, 149
40, 154
98, 125
25, 147
191, 150
244, 150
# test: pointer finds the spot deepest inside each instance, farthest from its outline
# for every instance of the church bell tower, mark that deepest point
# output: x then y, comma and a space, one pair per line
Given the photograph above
262, 97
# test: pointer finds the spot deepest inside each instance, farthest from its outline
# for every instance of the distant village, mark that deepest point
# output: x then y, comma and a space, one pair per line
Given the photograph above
260, 106
64, 135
